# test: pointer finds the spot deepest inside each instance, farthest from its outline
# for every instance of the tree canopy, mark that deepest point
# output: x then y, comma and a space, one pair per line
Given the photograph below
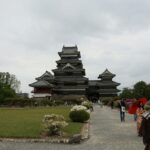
9, 85
140, 89
126, 93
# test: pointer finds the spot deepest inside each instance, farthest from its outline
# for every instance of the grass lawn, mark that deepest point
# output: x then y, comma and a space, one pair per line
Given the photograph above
27, 122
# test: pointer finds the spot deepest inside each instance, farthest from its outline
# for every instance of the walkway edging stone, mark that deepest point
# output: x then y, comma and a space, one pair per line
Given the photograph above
83, 136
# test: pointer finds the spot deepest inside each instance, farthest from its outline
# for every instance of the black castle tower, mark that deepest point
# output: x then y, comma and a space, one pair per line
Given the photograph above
69, 75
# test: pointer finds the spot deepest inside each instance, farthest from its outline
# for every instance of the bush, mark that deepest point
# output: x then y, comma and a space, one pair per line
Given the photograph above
87, 104
53, 124
22, 102
69, 99
79, 114
106, 100
59, 102
19, 102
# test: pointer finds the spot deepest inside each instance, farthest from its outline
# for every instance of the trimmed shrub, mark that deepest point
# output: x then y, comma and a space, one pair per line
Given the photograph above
22, 102
106, 100
53, 124
79, 114
87, 104
69, 99
19, 102
59, 102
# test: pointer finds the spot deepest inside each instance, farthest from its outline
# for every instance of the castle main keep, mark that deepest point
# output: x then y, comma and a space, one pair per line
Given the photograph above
69, 79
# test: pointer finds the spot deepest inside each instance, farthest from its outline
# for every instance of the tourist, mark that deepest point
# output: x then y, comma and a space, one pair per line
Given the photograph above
92, 108
145, 127
135, 116
140, 110
122, 110
112, 104
100, 103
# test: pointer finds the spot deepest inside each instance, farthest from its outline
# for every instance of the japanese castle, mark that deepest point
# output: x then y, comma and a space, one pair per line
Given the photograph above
69, 79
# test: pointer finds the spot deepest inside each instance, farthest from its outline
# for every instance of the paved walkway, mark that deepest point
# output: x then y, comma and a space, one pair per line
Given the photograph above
106, 133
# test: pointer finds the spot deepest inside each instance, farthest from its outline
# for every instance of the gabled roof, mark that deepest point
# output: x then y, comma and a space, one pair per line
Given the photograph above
107, 83
69, 49
41, 83
47, 75
71, 79
108, 91
72, 61
106, 73
68, 65
62, 71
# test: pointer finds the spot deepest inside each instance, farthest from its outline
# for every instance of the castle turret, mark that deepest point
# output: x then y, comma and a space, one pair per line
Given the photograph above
43, 86
69, 74
107, 87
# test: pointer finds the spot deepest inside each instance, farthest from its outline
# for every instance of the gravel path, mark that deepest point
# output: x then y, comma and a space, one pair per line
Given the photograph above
106, 133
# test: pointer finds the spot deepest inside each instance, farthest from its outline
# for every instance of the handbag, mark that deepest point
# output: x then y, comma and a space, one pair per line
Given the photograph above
122, 108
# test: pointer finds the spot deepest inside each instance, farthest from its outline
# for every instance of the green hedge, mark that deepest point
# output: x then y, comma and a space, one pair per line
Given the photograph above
22, 102
79, 116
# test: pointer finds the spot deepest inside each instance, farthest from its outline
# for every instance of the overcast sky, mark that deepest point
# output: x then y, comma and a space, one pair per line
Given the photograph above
113, 34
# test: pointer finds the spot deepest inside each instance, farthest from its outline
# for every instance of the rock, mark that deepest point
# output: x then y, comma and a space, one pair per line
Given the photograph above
75, 139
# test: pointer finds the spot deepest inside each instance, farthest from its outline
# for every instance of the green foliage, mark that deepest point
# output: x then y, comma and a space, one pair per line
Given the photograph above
79, 116
26, 122
126, 93
58, 102
8, 86
147, 91
139, 89
6, 91
9, 80
115, 98
22, 102
19, 102
87, 104
69, 99
106, 100
147, 107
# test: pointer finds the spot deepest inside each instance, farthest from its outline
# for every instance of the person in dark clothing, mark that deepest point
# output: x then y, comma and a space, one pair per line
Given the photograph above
122, 110
145, 127
112, 104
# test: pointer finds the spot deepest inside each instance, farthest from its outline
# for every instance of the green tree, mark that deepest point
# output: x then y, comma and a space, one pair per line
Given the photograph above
8, 85
9, 80
126, 93
147, 92
139, 89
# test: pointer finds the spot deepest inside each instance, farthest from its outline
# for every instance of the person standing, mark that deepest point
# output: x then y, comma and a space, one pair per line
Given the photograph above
145, 127
112, 104
122, 110
100, 103
135, 116
140, 110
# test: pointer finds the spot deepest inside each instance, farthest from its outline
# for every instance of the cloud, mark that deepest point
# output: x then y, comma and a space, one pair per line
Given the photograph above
110, 34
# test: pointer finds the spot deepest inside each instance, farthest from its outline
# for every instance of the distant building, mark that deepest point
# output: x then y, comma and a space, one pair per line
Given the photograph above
107, 87
69, 79
104, 87
43, 86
